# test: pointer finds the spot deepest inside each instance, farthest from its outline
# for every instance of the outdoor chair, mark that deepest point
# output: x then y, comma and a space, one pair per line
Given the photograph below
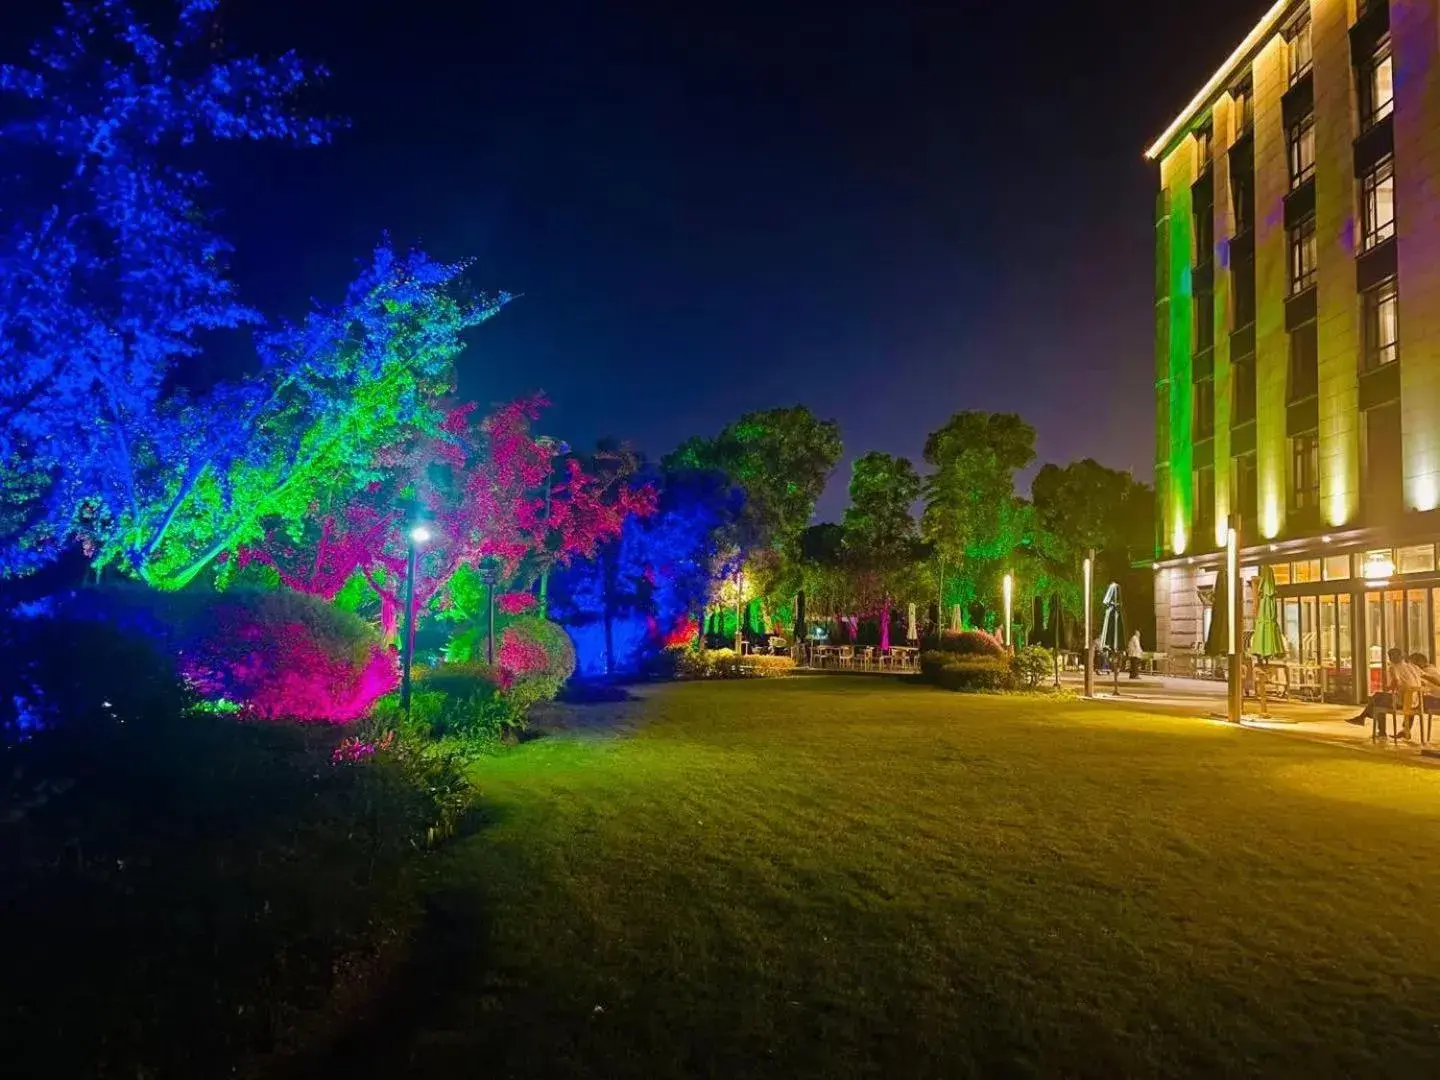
845, 656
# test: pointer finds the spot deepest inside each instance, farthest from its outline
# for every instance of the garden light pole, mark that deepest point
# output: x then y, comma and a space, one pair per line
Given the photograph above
1232, 606
418, 536
739, 627
1008, 589
1089, 628
552, 447
489, 574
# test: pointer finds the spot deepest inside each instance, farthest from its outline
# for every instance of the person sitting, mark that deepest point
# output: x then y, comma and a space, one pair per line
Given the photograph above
1400, 676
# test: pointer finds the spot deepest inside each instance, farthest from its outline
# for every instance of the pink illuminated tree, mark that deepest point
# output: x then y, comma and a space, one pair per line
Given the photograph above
479, 485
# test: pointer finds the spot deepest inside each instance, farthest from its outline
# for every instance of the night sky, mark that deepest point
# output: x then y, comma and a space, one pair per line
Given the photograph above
888, 212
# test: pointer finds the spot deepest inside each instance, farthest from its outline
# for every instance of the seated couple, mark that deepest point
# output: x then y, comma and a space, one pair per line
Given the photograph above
1403, 674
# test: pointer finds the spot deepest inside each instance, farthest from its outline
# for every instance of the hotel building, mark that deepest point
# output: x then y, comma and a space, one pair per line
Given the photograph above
1297, 338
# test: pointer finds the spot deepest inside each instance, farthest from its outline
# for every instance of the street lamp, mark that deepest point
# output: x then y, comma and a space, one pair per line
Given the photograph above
553, 448
489, 574
1008, 588
739, 626
418, 537
1089, 630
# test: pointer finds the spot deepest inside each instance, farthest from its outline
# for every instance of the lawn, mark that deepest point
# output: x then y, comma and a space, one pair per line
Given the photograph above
830, 877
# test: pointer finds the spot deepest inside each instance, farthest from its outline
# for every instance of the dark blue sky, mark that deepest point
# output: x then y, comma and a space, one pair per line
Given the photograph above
888, 212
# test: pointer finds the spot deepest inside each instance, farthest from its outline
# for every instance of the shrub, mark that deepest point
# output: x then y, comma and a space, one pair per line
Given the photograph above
971, 643
967, 672
459, 680
725, 664
286, 655
530, 645
463, 723
1032, 665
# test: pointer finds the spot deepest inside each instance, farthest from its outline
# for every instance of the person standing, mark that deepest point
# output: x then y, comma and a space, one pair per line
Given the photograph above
1134, 653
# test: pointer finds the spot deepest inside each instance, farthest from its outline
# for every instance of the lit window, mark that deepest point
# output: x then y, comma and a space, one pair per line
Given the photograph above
1337, 568
1382, 325
1203, 138
1378, 87
1305, 572
1204, 408
1377, 198
1298, 55
1282, 573
1240, 108
1302, 256
1415, 560
1302, 151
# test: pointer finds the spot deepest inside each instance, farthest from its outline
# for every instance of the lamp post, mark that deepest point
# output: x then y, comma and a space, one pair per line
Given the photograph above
416, 538
489, 574
1232, 599
1089, 628
1008, 589
553, 448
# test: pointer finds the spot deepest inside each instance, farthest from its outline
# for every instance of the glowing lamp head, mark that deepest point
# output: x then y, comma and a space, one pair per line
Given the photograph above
1377, 567
419, 535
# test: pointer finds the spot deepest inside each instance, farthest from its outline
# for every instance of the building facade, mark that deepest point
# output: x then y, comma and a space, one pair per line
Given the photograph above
1297, 334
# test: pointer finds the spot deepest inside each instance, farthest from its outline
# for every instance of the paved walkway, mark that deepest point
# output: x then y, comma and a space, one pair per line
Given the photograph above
1205, 699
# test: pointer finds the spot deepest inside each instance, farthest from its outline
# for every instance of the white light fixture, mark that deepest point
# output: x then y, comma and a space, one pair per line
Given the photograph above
1324, 539
420, 535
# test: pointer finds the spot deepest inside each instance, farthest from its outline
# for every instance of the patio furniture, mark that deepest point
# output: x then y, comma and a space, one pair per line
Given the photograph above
845, 656
778, 646
864, 657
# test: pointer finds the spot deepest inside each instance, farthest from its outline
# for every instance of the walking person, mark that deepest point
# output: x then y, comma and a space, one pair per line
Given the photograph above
1134, 653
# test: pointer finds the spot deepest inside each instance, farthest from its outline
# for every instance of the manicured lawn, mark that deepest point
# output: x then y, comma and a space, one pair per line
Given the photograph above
859, 878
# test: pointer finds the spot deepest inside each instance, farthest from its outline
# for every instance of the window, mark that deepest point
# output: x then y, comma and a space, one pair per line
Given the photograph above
1243, 286
1204, 137
1204, 233
1415, 560
1246, 488
1377, 205
1305, 473
1297, 55
1205, 502
1243, 410
1380, 480
1302, 256
1382, 325
1337, 568
1242, 195
1204, 408
1204, 309
1242, 99
1377, 86
1304, 362
1305, 571
1301, 140
1282, 573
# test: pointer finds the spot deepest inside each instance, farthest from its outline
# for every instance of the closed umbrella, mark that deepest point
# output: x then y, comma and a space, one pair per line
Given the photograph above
1267, 643
1217, 639
1112, 630
911, 632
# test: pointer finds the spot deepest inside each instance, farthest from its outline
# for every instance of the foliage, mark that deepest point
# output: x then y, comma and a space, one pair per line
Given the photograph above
1031, 665
479, 485
285, 655
970, 643
970, 673
532, 646
781, 458
244, 880
881, 539
445, 718
726, 664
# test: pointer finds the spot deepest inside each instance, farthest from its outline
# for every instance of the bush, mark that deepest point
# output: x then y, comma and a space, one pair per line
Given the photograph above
243, 878
459, 680
970, 643
967, 672
1032, 665
725, 664
278, 654
530, 645
286, 655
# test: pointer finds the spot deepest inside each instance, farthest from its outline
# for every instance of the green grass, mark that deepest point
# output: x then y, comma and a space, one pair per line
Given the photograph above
859, 878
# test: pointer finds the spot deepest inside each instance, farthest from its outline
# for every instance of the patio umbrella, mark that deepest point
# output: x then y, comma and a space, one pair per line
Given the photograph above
800, 616
911, 632
1112, 630
1267, 642
1217, 641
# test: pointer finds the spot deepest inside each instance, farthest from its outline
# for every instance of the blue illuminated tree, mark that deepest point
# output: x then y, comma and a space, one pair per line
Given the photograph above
109, 269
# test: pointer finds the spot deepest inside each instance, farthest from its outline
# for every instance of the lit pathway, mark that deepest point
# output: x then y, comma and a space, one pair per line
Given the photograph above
1205, 698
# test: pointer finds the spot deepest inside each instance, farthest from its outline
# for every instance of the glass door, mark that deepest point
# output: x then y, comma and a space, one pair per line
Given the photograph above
1374, 643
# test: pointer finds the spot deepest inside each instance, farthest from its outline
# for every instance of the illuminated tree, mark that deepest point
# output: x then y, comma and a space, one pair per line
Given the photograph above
108, 268
881, 539
479, 485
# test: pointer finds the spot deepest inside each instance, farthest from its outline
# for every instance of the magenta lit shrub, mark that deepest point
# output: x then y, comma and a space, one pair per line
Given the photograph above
286, 655
971, 643
531, 646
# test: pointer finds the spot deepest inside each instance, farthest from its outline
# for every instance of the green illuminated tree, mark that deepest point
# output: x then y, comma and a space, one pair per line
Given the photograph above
881, 538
